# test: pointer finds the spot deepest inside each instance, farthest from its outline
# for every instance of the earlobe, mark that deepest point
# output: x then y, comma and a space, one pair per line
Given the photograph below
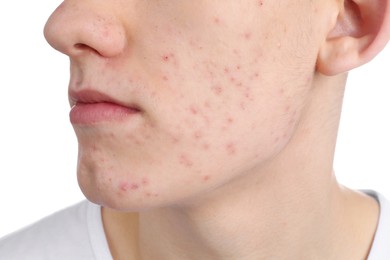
361, 31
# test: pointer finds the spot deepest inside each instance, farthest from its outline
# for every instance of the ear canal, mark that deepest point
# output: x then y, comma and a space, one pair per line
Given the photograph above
361, 31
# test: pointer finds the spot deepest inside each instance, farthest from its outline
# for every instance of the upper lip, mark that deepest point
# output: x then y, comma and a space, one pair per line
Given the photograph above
90, 96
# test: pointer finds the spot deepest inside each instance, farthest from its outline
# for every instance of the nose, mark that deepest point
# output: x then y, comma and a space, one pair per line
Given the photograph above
77, 27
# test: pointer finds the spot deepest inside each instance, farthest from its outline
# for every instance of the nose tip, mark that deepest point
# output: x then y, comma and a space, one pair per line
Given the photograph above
74, 29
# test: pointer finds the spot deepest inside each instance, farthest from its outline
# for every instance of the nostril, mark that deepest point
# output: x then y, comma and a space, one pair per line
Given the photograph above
84, 48
81, 46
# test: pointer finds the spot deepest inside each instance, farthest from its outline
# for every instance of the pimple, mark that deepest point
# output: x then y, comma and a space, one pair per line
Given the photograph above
206, 178
165, 58
185, 160
145, 181
193, 110
231, 148
248, 35
217, 90
125, 186
198, 134
134, 186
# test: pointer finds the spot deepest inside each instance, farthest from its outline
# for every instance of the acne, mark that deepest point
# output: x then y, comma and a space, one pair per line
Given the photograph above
206, 178
145, 181
248, 36
127, 186
186, 161
170, 58
231, 148
198, 135
217, 90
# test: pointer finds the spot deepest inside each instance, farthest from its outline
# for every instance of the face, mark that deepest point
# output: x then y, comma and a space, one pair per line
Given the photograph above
173, 99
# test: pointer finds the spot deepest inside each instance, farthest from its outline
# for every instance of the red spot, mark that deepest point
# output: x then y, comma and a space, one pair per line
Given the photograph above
165, 58
197, 134
248, 35
260, 3
186, 161
134, 186
193, 110
125, 186
230, 120
226, 70
165, 78
217, 90
231, 148
217, 20
206, 147
145, 181
206, 178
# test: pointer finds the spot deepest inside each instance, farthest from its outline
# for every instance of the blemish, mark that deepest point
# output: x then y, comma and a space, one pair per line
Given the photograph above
231, 148
206, 147
125, 186
260, 3
134, 186
198, 134
217, 20
165, 78
145, 181
185, 160
165, 58
247, 36
230, 120
217, 90
206, 178
194, 110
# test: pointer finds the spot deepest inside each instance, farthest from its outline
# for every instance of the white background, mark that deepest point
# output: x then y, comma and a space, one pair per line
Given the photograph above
38, 147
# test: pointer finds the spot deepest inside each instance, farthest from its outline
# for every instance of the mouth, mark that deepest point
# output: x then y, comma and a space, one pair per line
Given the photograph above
90, 107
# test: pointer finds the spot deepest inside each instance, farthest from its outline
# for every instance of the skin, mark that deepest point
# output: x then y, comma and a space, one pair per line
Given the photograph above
231, 154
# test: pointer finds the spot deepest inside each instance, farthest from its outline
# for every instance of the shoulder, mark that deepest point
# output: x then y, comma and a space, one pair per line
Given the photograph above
65, 234
381, 245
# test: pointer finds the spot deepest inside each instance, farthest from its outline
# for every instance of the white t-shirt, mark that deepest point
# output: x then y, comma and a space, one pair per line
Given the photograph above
76, 233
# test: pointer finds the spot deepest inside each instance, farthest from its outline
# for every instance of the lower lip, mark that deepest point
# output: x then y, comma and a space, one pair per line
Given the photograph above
94, 113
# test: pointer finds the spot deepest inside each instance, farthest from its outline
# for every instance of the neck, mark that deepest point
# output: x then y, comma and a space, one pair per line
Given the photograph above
289, 206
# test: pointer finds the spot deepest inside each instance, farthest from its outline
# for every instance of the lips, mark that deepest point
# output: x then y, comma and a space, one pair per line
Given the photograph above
90, 107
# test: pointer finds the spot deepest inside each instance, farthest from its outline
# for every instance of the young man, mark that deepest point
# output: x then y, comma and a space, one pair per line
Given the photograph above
207, 130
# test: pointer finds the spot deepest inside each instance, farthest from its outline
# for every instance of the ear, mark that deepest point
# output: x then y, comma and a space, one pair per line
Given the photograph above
361, 31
